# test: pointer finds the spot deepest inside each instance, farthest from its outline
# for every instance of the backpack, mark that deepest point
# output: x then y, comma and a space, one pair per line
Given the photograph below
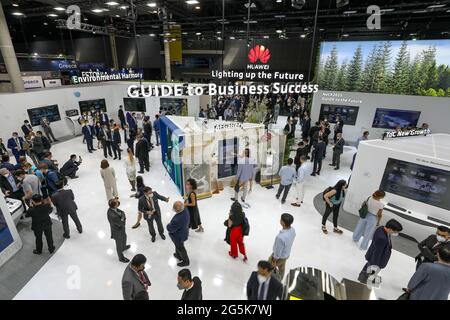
326, 191
364, 209
245, 227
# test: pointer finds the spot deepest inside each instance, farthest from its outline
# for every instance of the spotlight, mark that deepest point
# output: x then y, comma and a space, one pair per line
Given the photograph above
298, 4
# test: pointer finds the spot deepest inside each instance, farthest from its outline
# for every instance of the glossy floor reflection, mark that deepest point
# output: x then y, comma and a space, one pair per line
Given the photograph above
86, 266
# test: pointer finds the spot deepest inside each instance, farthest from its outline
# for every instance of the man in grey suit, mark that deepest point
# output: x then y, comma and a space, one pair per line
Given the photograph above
149, 206
135, 280
45, 124
117, 221
338, 149
64, 201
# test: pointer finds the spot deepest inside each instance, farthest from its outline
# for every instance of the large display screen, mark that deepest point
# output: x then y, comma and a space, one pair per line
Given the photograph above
417, 182
391, 118
50, 112
348, 113
174, 106
92, 105
389, 67
6, 238
134, 104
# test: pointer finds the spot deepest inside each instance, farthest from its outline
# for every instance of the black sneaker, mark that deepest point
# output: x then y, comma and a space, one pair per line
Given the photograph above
233, 199
51, 250
153, 239
124, 260
37, 252
127, 247
183, 264
176, 256
163, 237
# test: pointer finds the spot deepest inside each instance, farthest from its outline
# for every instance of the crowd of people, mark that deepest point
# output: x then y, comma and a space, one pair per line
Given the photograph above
42, 188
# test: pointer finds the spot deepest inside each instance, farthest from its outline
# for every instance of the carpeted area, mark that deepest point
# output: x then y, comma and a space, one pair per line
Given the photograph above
349, 221
18, 271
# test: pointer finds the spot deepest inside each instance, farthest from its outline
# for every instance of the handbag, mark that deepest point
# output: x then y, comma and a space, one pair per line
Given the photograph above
364, 209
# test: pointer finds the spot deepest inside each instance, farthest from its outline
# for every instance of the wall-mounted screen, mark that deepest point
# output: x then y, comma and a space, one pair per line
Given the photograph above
391, 118
390, 67
72, 113
50, 112
134, 104
174, 106
417, 182
348, 113
228, 150
89, 105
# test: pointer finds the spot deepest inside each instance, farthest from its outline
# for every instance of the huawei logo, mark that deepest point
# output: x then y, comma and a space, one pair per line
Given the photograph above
260, 53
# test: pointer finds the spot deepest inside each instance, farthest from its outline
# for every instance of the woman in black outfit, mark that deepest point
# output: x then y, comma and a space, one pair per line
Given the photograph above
333, 200
190, 202
235, 231
139, 193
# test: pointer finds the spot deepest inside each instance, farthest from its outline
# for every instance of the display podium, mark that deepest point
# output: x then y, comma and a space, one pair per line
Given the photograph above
307, 283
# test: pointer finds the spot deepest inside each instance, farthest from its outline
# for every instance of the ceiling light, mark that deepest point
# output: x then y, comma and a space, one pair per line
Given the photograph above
279, 31
17, 13
151, 4
420, 11
321, 29
197, 8
280, 16
117, 16
45, 24
34, 36
219, 38
302, 35
251, 21
173, 39
279, 1
151, 34
35, 54
252, 5
198, 33
184, 33
434, 6
414, 39
192, 2
105, 10
345, 35
350, 12
266, 37
97, 10
53, 15
123, 7
219, 32
232, 38
112, 3
85, 19
59, 9
167, 34
15, 5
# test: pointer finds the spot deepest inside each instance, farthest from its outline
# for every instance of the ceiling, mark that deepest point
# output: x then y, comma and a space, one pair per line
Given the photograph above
203, 21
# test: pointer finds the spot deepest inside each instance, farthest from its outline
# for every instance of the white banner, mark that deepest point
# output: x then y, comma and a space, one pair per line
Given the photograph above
50, 83
32, 82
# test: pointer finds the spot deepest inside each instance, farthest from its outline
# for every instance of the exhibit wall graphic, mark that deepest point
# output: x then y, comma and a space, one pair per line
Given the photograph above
396, 67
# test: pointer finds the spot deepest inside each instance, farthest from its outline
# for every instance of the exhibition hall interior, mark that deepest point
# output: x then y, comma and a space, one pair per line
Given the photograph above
224, 150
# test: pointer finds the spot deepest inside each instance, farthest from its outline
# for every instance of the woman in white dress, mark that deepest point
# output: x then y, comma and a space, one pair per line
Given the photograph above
109, 180
130, 165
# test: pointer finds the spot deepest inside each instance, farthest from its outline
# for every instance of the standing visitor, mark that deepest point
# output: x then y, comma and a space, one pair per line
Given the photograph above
283, 245
287, 175
142, 150
121, 116
64, 201
135, 280
364, 137
366, 225
178, 229
190, 202
88, 134
130, 166
338, 149
236, 223
318, 156
15, 143
262, 285
109, 180
429, 247
41, 223
244, 176
117, 221
334, 197
149, 206
140, 186
45, 124
299, 182
191, 286
156, 127
116, 142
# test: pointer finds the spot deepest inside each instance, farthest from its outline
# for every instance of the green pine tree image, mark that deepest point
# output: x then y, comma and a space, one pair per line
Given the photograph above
354, 71
399, 83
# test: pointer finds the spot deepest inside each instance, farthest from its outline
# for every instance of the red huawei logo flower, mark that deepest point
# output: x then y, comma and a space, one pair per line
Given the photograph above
259, 53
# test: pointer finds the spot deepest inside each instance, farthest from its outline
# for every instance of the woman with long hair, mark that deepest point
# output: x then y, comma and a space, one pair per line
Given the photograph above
139, 193
235, 233
130, 165
109, 180
190, 202
366, 226
333, 200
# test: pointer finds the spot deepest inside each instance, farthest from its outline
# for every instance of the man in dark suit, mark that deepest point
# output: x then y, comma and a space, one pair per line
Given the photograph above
15, 143
9, 185
26, 128
318, 155
338, 149
262, 285
192, 287
148, 130
149, 206
306, 125
70, 168
135, 280
41, 223
105, 136
117, 221
88, 133
64, 201
131, 120
430, 246
380, 249
142, 150
121, 116
116, 142
104, 119
178, 229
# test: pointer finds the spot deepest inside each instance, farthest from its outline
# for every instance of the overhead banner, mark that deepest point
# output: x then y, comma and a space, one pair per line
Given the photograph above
175, 45
111, 75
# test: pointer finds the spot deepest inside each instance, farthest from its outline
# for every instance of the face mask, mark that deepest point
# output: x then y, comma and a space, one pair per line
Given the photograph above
179, 286
395, 234
261, 278
150, 195
441, 238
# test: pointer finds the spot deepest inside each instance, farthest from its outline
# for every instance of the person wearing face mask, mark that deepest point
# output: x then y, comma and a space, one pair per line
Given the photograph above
430, 246
192, 286
178, 229
262, 285
380, 249
149, 206
117, 221
15, 143
135, 280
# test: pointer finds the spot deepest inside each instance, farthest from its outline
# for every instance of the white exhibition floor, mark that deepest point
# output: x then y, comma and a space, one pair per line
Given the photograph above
92, 254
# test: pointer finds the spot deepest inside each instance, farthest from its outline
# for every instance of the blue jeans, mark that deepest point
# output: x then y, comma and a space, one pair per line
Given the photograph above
365, 228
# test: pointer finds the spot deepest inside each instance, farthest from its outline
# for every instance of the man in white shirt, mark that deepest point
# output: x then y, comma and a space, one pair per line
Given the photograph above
299, 183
